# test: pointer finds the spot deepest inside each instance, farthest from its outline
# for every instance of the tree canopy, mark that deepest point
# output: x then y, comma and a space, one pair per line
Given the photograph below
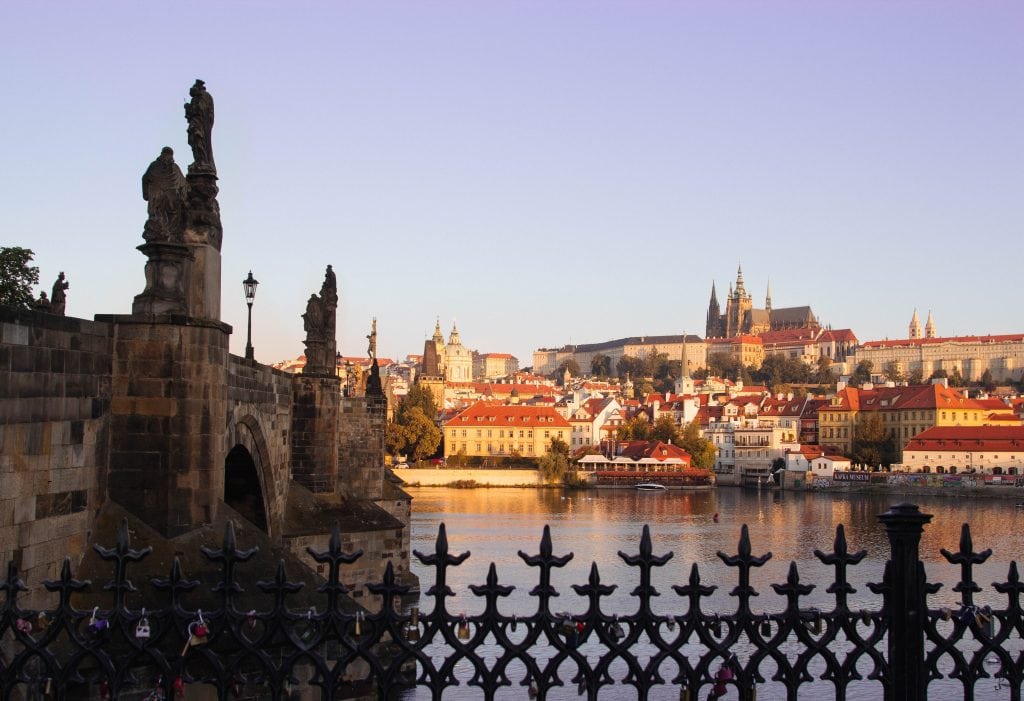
414, 429
665, 429
554, 464
873, 444
17, 277
702, 451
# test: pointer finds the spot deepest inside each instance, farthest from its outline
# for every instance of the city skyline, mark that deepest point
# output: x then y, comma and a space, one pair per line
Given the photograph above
538, 174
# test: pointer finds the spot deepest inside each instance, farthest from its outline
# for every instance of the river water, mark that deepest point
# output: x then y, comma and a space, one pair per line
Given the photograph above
494, 524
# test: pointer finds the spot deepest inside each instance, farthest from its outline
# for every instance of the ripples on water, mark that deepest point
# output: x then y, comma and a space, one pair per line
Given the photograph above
494, 524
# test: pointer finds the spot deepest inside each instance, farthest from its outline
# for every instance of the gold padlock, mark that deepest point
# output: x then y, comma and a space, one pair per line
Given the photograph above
684, 693
359, 623
463, 629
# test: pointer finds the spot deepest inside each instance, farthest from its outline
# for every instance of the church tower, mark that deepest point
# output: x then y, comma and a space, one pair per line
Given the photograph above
740, 302
929, 326
433, 353
768, 299
458, 359
915, 326
711, 330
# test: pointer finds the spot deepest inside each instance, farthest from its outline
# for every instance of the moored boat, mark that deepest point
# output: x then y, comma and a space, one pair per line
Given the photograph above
650, 487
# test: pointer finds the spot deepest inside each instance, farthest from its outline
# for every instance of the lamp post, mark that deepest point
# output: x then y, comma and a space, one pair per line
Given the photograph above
249, 285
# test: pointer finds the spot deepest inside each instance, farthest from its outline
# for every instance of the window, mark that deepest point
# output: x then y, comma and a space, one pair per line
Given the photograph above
546, 433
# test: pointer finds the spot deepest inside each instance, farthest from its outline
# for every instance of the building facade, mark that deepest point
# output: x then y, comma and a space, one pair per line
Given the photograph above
1002, 356
502, 430
742, 318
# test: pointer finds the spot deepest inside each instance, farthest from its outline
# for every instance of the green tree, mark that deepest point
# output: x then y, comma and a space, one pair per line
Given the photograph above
938, 374
862, 373
823, 371
915, 376
571, 364
414, 429
601, 365
554, 464
628, 365
725, 365
637, 428
873, 444
665, 429
422, 435
702, 451
956, 379
17, 277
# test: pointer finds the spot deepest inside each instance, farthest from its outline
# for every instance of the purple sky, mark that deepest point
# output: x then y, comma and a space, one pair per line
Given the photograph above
538, 172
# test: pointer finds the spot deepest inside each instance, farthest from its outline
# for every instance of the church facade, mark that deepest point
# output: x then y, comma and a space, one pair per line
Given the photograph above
741, 318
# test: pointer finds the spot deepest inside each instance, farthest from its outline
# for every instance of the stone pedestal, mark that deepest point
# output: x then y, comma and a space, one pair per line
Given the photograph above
203, 235
314, 462
168, 279
167, 439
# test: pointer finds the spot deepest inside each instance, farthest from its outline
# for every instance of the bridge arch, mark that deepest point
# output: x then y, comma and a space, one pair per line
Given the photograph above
249, 485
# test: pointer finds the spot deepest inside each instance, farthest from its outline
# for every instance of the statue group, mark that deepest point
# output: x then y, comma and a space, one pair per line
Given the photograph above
320, 323
165, 188
57, 301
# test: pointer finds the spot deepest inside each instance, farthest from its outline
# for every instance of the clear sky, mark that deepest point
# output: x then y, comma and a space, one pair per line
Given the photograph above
539, 172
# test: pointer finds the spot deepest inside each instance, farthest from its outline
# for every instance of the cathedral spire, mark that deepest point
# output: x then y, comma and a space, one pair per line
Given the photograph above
768, 298
929, 326
739, 280
914, 330
438, 336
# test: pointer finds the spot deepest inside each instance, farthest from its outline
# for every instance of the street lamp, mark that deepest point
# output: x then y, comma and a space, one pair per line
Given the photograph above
249, 285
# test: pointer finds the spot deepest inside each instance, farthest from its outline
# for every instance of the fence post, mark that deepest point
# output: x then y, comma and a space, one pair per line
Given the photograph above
905, 603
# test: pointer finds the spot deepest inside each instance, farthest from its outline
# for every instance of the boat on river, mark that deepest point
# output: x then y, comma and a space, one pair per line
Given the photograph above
650, 487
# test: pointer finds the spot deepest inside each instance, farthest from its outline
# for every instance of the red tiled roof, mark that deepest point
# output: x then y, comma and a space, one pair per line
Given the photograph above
1005, 338
488, 414
974, 438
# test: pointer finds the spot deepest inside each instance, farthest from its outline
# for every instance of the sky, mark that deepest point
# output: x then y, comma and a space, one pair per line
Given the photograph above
536, 172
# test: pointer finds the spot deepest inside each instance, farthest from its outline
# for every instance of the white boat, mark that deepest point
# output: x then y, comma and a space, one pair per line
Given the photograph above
650, 487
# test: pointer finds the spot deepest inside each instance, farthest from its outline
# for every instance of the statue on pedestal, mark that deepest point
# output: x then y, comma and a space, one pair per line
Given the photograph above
319, 322
58, 296
199, 113
371, 349
164, 189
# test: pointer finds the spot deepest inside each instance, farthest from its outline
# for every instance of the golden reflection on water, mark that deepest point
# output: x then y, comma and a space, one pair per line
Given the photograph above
494, 524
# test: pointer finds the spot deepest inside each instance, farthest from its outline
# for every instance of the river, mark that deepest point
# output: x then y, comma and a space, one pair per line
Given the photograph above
494, 524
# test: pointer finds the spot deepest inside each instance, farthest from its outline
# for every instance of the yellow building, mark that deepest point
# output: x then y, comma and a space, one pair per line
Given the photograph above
906, 411
487, 429
749, 350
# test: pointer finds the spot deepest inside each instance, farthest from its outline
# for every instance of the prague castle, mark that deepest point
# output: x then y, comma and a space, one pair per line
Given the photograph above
742, 319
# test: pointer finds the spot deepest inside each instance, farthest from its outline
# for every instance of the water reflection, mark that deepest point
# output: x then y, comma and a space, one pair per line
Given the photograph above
494, 524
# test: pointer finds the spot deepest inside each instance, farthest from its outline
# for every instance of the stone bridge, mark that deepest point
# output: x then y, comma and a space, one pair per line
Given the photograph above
148, 415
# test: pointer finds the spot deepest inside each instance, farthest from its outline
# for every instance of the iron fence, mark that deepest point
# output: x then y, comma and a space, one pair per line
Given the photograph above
337, 651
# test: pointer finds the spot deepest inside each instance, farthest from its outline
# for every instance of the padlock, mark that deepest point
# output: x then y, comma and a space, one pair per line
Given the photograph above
97, 624
865, 617
142, 628
582, 688
515, 622
179, 687
42, 621
23, 625
815, 624
984, 622
359, 623
945, 613
463, 629
251, 617
616, 631
716, 627
965, 615
412, 633
670, 623
533, 690
684, 693
47, 686
198, 631
766, 627
104, 689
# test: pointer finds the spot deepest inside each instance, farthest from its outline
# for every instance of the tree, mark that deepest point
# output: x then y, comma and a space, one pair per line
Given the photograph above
724, 365
414, 429
702, 451
938, 374
873, 444
637, 428
601, 365
956, 379
571, 364
17, 277
628, 365
862, 373
915, 376
554, 464
665, 429
422, 435
823, 371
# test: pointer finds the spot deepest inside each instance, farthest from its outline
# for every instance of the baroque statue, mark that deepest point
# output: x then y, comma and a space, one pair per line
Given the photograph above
371, 349
164, 188
199, 114
58, 296
319, 322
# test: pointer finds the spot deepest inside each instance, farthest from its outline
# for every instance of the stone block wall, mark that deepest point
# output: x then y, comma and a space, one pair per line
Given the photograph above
55, 379
260, 404
314, 434
168, 407
378, 547
361, 446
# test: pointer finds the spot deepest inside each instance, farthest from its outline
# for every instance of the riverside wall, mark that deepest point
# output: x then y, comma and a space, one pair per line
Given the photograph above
443, 477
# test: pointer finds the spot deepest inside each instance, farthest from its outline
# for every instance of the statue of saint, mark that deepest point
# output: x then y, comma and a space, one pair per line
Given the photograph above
43, 303
371, 350
58, 298
199, 114
313, 319
164, 188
